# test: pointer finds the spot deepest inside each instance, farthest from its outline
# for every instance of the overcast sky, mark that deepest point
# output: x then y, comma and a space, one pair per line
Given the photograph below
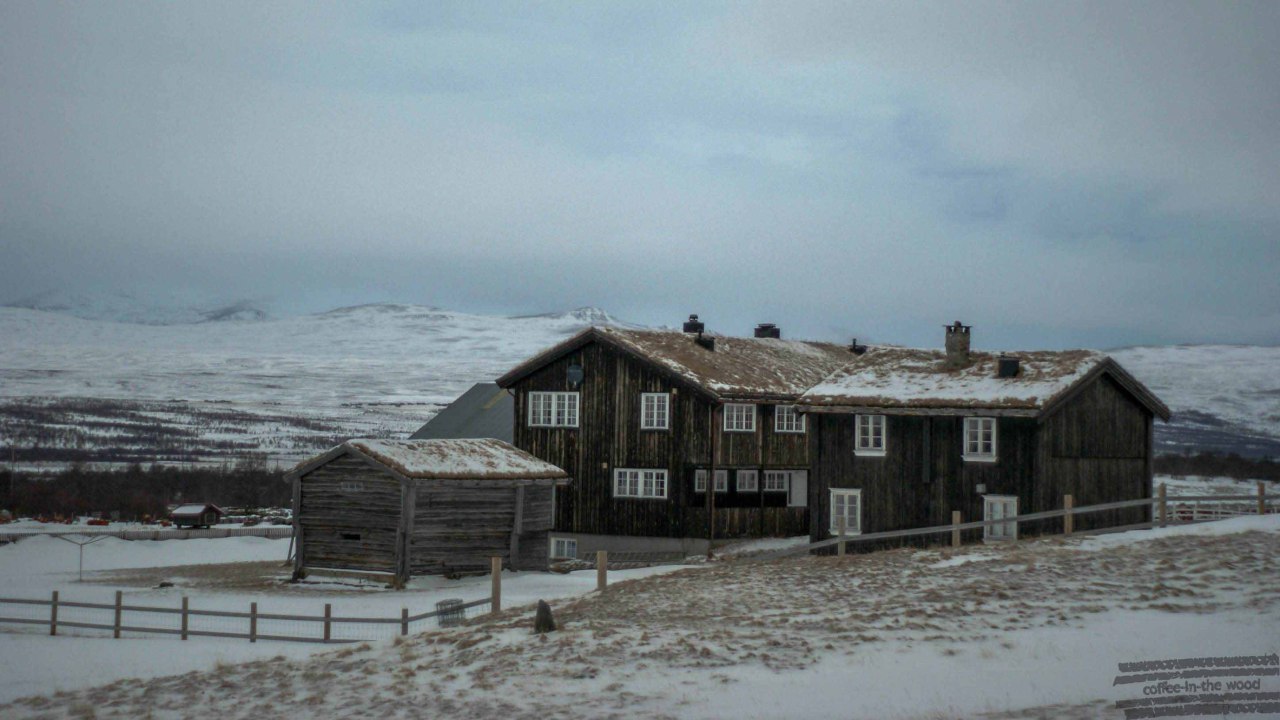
1057, 174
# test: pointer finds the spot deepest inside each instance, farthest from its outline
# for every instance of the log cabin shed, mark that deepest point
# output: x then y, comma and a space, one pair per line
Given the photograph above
196, 515
414, 507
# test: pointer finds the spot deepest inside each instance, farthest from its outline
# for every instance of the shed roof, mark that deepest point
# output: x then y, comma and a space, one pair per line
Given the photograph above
909, 378
736, 368
443, 459
195, 509
484, 411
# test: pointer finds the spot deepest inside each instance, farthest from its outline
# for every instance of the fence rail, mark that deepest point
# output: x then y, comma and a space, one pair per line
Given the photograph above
1177, 510
274, 532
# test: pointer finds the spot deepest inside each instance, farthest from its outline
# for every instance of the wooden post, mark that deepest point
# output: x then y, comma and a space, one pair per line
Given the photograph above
1162, 498
115, 629
840, 528
404, 621
1068, 520
328, 622
186, 607
53, 614
1262, 498
602, 569
955, 533
253, 622
495, 594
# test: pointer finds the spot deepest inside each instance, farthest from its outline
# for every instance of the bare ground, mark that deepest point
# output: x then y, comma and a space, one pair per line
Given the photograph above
690, 627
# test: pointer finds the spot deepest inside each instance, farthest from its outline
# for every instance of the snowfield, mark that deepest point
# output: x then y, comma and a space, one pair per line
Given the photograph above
1028, 629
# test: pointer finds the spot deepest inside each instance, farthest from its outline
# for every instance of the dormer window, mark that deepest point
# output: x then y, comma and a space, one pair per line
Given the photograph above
787, 420
739, 417
655, 411
980, 439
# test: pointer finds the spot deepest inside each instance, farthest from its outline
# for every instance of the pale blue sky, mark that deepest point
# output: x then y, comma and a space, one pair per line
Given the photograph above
1057, 174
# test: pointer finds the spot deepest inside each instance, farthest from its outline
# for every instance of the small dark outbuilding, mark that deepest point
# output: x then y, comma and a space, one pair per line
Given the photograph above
414, 507
196, 515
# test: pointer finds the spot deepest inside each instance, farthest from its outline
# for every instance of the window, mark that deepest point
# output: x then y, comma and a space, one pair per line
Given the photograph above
655, 411
870, 435
553, 409
998, 507
700, 480
748, 481
350, 536
787, 420
564, 548
846, 504
722, 481
639, 483
739, 418
776, 480
351, 487
980, 439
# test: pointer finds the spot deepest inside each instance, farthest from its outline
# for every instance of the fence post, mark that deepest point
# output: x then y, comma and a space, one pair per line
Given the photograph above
955, 532
186, 607
53, 614
1068, 520
495, 594
328, 622
1162, 498
840, 528
115, 629
253, 622
602, 569
1262, 498
404, 621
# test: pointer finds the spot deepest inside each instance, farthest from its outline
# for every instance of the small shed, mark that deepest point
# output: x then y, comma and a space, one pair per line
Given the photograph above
415, 507
484, 411
196, 515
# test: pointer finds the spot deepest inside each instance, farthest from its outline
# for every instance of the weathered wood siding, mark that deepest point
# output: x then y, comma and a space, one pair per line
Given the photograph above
1095, 448
459, 528
609, 437
351, 528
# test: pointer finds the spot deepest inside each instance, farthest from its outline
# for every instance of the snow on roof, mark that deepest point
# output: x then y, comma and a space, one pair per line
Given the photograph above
894, 377
193, 509
737, 367
455, 459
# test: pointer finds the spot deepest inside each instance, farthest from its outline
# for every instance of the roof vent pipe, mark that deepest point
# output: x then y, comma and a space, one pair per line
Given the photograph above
957, 345
768, 330
855, 348
693, 325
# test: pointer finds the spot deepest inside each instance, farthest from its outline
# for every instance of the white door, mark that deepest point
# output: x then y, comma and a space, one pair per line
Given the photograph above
798, 495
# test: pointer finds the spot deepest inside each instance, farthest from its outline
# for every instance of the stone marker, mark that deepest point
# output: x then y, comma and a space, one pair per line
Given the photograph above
543, 622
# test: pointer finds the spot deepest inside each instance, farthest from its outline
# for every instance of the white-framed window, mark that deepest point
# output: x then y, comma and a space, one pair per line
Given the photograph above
748, 481
564, 548
787, 420
655, 411
553, 409
777, 480
700, 480
870, 437
629, 483
739, 417
722, 481
846, 504
980, 439
998, 507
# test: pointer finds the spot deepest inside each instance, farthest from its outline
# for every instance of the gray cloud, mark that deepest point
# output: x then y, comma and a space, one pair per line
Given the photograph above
1074, 174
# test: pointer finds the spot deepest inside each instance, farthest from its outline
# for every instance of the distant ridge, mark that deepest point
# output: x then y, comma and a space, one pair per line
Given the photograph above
131, 308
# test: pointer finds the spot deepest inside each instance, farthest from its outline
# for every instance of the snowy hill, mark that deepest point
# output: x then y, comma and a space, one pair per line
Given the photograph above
126, 307
79, 389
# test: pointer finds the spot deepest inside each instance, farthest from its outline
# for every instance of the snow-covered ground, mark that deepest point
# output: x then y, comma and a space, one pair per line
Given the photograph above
1034, 629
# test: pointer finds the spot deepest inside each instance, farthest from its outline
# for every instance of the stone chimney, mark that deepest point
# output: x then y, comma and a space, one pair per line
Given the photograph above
957, 345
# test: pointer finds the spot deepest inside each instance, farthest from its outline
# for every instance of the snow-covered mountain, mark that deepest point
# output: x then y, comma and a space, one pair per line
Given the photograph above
73, 388
128, 307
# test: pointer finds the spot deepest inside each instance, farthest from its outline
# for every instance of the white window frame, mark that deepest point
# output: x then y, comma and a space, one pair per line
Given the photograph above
700, 480
722, 481
660, 418
565, 543
777, 480
739, 417
973, 449
865, 435
846, 494
642, 483
1003, 531
747, 481
787, 420
553, 409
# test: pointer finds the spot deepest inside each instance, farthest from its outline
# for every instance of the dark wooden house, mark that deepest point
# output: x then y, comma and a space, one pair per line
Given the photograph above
902, 437
411, 507
196, 515
672, 437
